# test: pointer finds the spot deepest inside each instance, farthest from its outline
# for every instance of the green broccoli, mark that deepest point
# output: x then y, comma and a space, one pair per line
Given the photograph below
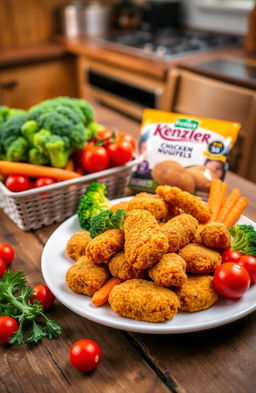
17, 150
244, 239
11, 139
37, 157
58, 150
29, 129
92, 203
106, 220
40, 139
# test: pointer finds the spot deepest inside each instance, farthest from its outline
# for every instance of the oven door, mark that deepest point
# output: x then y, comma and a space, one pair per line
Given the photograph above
127, 92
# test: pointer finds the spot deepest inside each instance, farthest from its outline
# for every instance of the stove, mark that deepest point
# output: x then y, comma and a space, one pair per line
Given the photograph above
168, 44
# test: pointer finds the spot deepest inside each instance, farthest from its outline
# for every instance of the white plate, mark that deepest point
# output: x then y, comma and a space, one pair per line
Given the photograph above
54, 267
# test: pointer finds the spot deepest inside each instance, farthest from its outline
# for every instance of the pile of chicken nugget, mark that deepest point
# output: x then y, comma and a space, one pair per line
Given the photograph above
164, 257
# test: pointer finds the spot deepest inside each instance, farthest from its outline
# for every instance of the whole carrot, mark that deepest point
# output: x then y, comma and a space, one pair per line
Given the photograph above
101, 296
30, 170
235, 212
218, 201
228, 204
215, 187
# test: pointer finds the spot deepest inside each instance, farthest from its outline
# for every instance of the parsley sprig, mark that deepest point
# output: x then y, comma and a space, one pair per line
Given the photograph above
14, 302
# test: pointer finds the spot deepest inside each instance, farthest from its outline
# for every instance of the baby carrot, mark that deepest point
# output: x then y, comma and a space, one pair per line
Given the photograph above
214, 191
101, 296
235, 212
228, 204
219, 198
30, 170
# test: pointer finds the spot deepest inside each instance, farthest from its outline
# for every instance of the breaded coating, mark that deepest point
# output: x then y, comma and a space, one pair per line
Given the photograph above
187, 202
120, 205
169, 271
145, 243
200, 259
198, 293
143, 300
86, 277
197, 237
77, 244
216, 235
105, 246
180, 230
120, 268
153, 203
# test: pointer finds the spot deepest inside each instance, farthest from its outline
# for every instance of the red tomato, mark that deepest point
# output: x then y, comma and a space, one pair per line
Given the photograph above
231, 280
2, 267
85, 355
44, 181
120, 152
94, 158
231, 256
249, 263
6, 253
106, 135
17, 183
128, 138
43, 294
8, 326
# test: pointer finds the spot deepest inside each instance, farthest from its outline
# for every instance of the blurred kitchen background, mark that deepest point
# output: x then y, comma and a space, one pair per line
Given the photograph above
190, 56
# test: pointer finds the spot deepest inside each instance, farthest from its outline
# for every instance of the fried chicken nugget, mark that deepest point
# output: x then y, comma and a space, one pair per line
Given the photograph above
143, 300
145, 243
169, 271
187, 202
216, 235
199, 258
120, 205
104, 246
120, 268
179, 230
197, 293
76, 245
86, 277
153, 203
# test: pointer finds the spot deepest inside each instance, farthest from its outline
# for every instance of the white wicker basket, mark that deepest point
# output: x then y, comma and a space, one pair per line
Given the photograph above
43, 206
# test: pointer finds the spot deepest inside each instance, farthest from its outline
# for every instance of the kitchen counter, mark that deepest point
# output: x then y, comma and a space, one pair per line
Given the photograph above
219, 360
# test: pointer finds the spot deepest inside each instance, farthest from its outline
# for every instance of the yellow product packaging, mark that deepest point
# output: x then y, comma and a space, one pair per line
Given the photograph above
183, 151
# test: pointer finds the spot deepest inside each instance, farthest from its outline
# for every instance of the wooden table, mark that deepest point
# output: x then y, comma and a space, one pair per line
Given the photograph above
214, 361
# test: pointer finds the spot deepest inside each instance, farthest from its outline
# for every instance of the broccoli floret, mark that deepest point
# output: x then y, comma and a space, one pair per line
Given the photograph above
17, 150
29, 129
37, 157
40, 139
106, 220
13, 112
244, 239
58, 150
86, 109
10, 130
92, 203
3, 113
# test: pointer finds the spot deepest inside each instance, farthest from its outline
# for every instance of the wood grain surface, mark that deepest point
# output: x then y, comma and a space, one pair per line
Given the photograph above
214, 361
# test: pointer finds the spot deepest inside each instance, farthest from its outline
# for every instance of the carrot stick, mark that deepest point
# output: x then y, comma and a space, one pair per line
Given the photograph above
228, 204
235, 212
217, 203
101, 296
214, 191
30, 170
70, 165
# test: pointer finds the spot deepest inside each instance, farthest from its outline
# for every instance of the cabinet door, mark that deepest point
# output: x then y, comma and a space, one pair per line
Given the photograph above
24, 86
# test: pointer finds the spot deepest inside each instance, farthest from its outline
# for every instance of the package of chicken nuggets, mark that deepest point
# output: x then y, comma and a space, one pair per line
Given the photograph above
182, 150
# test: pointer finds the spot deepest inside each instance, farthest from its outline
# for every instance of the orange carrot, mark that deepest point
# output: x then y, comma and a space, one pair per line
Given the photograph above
101, 296
70, 165
228, 204
214, 191
235, 212
217, 203
30, 170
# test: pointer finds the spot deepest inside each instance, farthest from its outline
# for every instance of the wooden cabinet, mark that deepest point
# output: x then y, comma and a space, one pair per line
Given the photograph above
23, 86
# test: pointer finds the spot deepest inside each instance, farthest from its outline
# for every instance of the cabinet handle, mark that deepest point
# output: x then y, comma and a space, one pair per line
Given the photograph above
9, 84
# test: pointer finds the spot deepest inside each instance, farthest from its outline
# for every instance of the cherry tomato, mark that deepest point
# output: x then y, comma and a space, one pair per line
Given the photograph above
44, 181
120, 152
43, 294
105, 135
6, 253
17, 183
249, 263
94, 158
128, 138
85, 355
231, 280
231, 256
2, 267
8, 326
